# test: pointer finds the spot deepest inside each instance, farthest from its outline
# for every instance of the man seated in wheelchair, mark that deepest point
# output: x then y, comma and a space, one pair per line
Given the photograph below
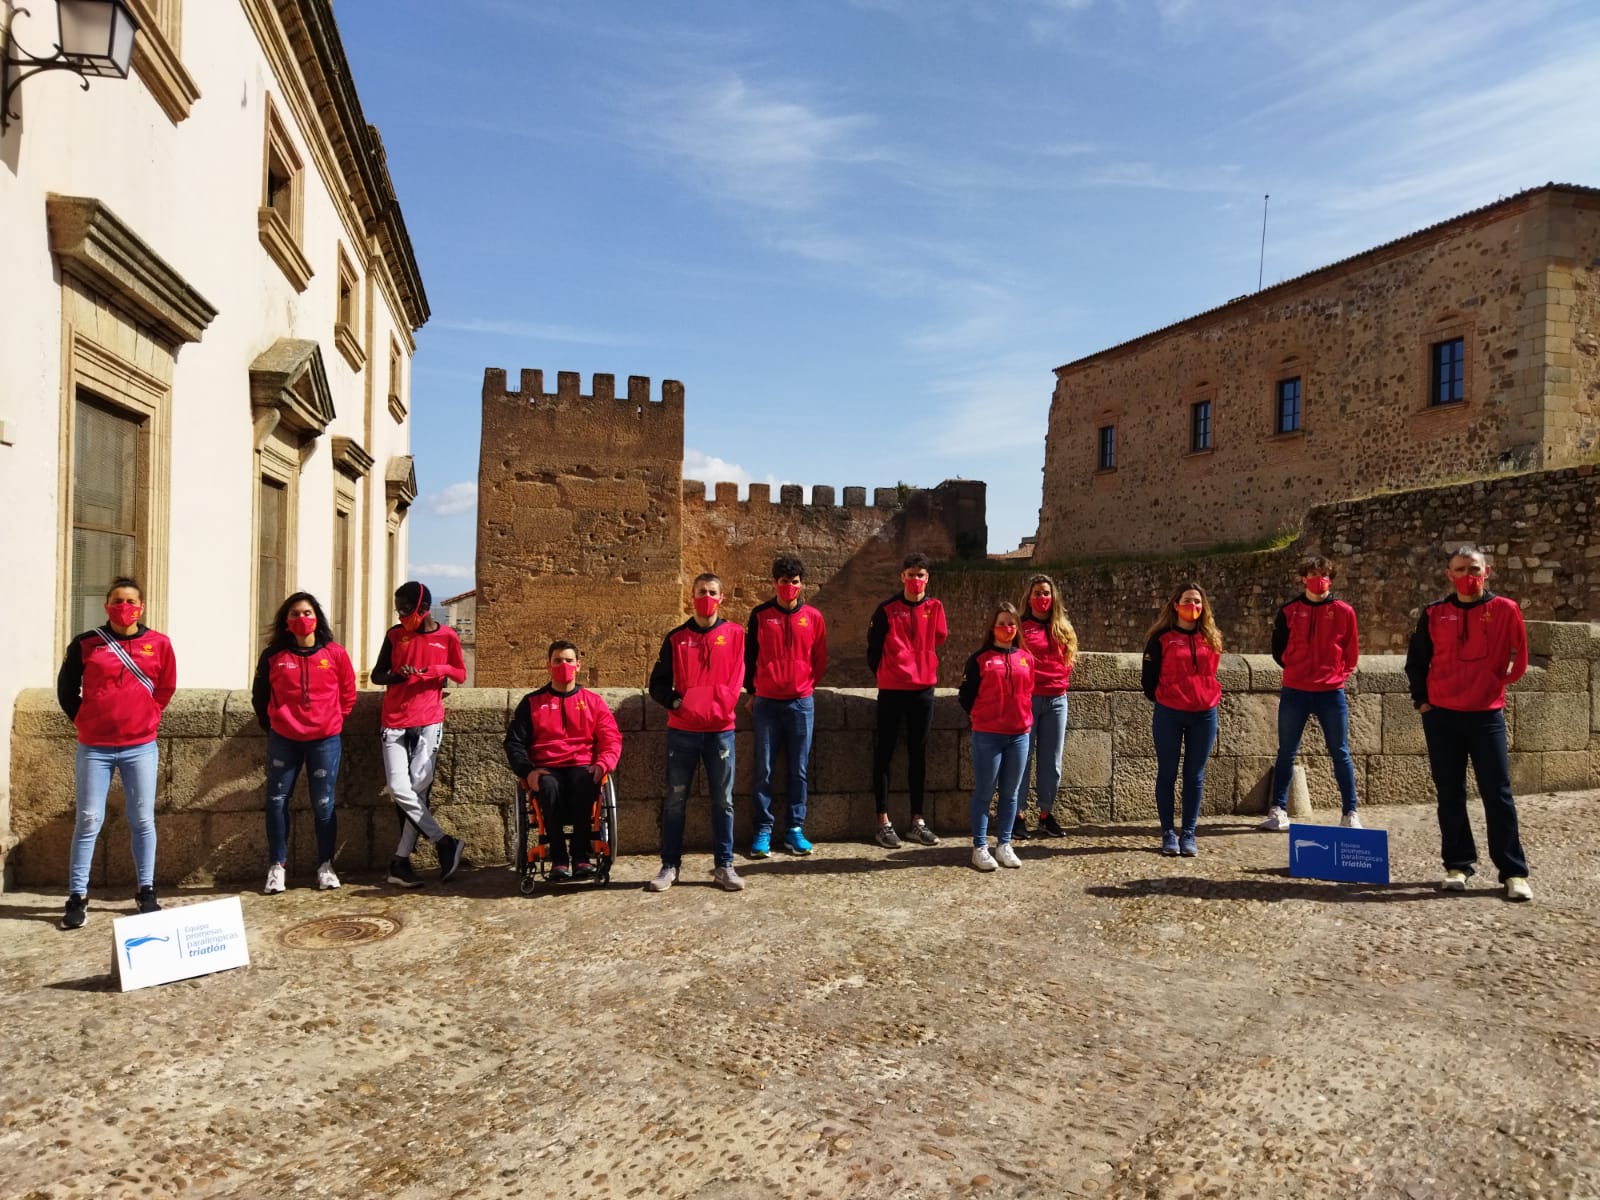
562, 742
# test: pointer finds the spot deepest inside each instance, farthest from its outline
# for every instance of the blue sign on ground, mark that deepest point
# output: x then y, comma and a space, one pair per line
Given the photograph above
1333, 852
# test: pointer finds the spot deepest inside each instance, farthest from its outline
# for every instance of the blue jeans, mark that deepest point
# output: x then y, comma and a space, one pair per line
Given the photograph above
1456, 738
1173, 729
285, 757
787, 723
685, 752
138, 767
1045, 739
1332, 711
1001, 757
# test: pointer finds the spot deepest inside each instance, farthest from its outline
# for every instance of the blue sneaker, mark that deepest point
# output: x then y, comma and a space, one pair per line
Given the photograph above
796, 843
1169, 843
761, 844
1186, 845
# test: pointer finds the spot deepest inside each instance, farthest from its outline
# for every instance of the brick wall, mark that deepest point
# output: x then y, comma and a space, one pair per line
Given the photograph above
209, 803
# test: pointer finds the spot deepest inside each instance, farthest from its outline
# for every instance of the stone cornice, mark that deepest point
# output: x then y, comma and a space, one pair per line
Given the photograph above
288, 378
155, 60
350, 458
400, 480
96, 246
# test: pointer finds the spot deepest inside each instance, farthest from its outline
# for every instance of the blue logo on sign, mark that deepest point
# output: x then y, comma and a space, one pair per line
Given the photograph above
130, 943
1344, 855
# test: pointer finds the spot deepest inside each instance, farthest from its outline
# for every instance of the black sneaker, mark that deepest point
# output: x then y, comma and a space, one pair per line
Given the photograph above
1019, 829
401, 874
1050, 827
450, 850
77, 912
146, 898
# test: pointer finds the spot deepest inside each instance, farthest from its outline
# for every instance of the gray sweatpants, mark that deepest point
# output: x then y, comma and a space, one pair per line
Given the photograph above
409, 759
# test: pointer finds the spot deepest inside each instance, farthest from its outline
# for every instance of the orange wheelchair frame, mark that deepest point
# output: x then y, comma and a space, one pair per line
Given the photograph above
533, 837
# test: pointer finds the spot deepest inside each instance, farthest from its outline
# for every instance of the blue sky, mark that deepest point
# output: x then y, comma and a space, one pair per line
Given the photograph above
864, 232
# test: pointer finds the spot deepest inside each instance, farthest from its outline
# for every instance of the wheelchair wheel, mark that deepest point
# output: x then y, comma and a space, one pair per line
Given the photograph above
525, 880
606, 828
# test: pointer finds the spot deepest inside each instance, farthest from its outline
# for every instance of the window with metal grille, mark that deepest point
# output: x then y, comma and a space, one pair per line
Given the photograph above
272, 553
1106, 459
1288, 408
1200, 425
106, 477
1449, 372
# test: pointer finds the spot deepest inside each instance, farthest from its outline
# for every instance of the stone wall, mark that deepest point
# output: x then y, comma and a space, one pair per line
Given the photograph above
587, 530
1516, 281
209, 803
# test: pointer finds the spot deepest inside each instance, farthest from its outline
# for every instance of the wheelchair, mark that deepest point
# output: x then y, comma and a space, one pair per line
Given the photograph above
533, 837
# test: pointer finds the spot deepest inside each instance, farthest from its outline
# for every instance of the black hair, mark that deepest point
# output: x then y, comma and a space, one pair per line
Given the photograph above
123, 581
412, 596
282, 639
561, 644
787, 565
915, 559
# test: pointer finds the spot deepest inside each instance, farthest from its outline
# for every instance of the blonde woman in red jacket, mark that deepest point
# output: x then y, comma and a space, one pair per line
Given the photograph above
997, 692
114, 685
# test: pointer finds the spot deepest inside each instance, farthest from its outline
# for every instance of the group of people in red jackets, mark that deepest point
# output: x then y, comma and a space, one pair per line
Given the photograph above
563, 739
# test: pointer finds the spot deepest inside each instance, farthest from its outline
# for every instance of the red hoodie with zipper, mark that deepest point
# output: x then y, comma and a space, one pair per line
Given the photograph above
903, 643
104, 699
698, 676
304, 693
1464, 655
785, 652
562, 729
1316, 643
1180, 671
1052, 673
997, 690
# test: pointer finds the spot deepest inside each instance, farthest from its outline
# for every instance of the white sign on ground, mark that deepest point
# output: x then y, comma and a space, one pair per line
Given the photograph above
179, 943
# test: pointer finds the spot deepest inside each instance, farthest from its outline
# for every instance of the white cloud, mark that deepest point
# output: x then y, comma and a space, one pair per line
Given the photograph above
440, 571
712, 470
452, 501
536, 332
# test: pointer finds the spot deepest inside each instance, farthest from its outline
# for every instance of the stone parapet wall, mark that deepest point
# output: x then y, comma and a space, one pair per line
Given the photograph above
209, 804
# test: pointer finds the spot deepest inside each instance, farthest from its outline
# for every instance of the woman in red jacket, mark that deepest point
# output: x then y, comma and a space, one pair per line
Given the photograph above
1180, 677
1050, 638
114, 685
997, 692
304, 689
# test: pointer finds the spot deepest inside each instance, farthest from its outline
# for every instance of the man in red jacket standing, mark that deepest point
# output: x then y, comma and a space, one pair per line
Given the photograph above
1466, 650
697, 679
1314, 640
562, 742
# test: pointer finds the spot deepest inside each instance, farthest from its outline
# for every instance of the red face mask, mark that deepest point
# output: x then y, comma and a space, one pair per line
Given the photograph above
915, 587
412, 621
563, 672
1004, 634
1041, 604
124, 613
1468, 587
705, 607
1318, 585
1189, 612
788, 593
302, 626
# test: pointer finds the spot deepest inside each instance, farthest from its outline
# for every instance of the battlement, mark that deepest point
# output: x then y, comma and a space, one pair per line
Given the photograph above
759, 499
569, 390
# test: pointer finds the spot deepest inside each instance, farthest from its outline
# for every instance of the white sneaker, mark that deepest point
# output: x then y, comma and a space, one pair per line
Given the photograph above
1006, 856
275, 879
1277, 820
664, 879
1517, 888
326, 879
982, 859
1351, 820
1455, 880
727, 878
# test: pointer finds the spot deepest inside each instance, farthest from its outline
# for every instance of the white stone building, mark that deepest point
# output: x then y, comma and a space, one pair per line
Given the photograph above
210, 308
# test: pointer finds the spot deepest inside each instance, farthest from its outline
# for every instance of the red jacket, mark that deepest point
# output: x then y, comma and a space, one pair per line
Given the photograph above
1463, 656
304, 694
105, 700
1180, 671
1052, 673
785, 653
551, 729
1315, 642
997, 690
698, 675
903, 643
416, 700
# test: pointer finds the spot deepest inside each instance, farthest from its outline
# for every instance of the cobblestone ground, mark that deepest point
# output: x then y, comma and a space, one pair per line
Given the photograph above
1104, 1022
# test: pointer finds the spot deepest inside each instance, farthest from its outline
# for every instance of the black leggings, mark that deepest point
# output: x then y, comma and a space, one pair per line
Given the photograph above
566, 797
915, 708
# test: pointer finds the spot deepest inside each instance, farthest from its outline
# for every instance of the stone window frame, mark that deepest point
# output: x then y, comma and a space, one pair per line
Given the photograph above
1105, 464
280, 219
347, 311
1204, 392
1449, 327
1296, 365
397, 368
156, 56
279, 460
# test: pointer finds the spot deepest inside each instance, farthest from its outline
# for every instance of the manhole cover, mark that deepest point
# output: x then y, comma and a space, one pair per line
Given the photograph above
339, 933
